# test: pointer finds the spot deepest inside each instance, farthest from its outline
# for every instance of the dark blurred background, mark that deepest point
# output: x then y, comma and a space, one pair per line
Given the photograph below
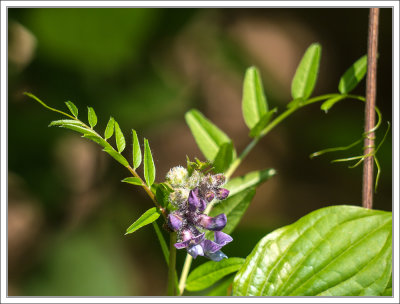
68, 210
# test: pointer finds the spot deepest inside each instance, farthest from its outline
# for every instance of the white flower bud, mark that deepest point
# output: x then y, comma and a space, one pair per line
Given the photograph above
194, 179
177, 176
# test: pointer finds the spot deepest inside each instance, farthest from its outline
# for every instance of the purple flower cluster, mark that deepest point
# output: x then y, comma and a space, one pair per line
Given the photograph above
189, 220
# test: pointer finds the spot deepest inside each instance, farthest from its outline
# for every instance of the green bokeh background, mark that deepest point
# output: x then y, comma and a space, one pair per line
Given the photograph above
146, 67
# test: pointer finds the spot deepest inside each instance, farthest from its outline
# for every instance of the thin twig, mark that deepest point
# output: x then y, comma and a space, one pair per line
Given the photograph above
368, 172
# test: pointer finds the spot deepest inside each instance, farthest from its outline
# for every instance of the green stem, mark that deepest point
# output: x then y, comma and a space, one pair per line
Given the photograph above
172, 265
185, 272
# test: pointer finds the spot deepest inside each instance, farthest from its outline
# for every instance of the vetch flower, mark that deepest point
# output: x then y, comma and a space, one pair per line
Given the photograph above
189, 220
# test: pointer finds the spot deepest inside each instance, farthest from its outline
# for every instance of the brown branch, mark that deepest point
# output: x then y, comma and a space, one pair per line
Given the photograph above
368, 172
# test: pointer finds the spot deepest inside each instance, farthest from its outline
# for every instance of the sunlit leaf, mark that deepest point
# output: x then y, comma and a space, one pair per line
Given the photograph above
147, 218
148, 165
208, 136
353, 75
73, 109
254, 102
109, 128
118, 157
98, 140
306, 74
262, 123
334, 251
132, 180
249, 180
210, 272
137, 154
119, 138
223, 158
92, 117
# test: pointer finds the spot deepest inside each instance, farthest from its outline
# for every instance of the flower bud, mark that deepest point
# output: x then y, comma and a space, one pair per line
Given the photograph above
222, 193
177, 176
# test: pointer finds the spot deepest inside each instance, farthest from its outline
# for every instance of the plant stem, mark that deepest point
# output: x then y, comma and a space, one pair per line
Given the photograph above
368, 170
171, 265
184, 274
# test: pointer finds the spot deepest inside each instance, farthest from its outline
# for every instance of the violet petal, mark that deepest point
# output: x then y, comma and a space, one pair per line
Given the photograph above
209, 196
222, 238
210, 246
222, 193
212, 223
196, 250
174, 221
193, 201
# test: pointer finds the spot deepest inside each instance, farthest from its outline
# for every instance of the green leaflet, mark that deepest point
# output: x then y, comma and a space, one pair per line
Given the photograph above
72, 108
338, 250
92, 118
254, 102
262, 123
353, 75
249, 180
132, 180
73, 125
234, 207
210, 272
327, 105
208, 136
98, 140
137, 154
117, 156
224, 158
306, 74
109, 128
162, 194
148, 165
119, 138
147, 218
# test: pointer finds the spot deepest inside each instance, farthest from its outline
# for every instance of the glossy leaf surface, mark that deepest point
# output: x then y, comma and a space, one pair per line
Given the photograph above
72, 108
109, 128
92, 117
334, 251
119, 138
306, 74
148, 163
137, 154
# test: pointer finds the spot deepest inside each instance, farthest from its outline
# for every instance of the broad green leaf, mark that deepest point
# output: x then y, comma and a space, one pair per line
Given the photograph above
109, 128
327, 105
92, 117
224, 158
98, 140
254, 102
208, 136
133, 181
333, 251
119, 138
388, 289
117, 156
249, 180
306, 74
263, 122
222, 289
147, 218
353, 75
234, 207
73, 109
137, 154
210, 272
148, 165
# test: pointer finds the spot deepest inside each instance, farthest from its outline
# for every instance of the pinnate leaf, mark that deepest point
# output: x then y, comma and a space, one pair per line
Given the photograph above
119, 138
333, 251
254, 102
137, 154
148, 164
353, 75
208, 136
210, 272
109, 128
73, 109
133, 181
92, 117
306, 74
147, 218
